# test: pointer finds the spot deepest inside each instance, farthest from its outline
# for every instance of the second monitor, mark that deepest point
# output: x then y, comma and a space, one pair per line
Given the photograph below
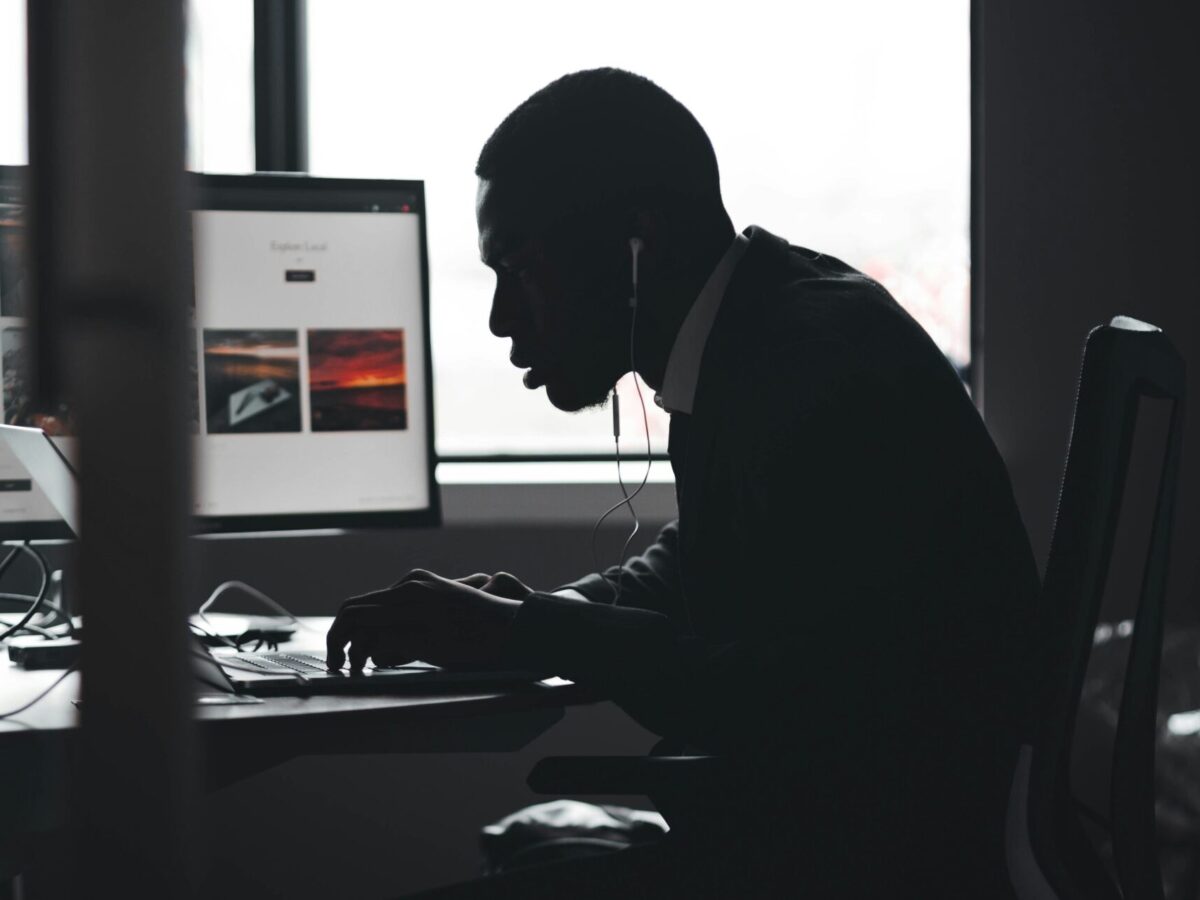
312, 399
311, 395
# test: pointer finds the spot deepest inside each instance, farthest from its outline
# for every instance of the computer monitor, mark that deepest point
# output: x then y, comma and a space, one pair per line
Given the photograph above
311, 393
314, 390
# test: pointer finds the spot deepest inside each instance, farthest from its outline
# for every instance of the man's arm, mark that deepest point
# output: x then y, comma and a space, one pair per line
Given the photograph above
720, 696
649, 581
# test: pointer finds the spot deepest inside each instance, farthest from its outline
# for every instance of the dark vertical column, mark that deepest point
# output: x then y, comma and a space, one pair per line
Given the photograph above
280, 86
108, 151
44, 177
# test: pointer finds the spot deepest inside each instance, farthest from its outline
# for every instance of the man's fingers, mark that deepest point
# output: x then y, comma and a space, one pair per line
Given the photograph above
334, 642
363, 622
361, 645
349, 618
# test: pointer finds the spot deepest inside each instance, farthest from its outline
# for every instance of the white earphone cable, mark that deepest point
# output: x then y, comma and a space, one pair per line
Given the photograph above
629, 498
635, 246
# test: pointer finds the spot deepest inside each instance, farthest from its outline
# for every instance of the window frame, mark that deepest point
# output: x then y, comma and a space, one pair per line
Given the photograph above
280, 86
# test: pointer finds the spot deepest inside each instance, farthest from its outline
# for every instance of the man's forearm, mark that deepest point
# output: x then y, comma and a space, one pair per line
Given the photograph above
598, 643
672, 683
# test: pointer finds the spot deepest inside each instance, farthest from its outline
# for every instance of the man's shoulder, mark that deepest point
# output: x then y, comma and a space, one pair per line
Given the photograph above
815, 295
804, 315
793, 295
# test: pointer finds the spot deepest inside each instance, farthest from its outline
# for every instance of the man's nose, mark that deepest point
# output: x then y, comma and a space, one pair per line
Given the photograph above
505, 312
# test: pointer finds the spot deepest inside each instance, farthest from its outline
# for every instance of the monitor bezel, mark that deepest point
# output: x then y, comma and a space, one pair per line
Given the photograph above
294, 192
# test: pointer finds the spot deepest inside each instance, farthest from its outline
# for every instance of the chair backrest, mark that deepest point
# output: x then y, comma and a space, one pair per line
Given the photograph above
1123, 362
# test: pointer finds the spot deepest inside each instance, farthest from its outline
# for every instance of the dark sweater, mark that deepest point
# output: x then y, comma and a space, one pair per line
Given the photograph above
848, 593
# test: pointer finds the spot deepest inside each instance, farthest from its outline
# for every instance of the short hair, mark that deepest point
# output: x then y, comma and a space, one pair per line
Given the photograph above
601, 139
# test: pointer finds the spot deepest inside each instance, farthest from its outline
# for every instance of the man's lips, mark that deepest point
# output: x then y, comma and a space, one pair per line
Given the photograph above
532, 378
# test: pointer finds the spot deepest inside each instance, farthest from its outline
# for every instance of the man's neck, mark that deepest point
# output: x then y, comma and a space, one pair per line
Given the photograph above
663, 307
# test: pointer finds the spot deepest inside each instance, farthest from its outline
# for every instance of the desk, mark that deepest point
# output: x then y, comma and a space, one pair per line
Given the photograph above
240, 740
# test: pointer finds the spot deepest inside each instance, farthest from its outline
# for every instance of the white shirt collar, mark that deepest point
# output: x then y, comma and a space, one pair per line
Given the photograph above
683, 365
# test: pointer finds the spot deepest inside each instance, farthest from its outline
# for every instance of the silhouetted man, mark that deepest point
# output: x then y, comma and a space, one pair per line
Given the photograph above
844, 603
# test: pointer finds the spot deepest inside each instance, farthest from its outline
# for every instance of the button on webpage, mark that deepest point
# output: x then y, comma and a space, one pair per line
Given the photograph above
300, 275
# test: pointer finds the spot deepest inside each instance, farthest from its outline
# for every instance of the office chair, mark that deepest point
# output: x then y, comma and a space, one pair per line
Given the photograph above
1048, 855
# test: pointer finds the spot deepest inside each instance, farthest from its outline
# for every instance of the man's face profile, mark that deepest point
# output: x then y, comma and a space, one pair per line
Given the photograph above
566, 329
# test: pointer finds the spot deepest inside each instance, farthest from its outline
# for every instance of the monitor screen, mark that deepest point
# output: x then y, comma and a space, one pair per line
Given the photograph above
311, 390
313, 387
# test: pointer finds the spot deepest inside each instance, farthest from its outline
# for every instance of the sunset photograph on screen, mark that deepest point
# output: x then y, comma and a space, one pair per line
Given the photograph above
356, 379
251, 381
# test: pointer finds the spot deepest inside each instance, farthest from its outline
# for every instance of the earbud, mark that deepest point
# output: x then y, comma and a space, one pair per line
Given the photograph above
635, 247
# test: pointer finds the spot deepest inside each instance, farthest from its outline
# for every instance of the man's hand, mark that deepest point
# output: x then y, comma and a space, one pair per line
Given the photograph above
501, 584
423, 616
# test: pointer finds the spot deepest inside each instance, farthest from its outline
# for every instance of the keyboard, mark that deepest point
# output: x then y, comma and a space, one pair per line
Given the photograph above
308, 674
306, 664
312, 665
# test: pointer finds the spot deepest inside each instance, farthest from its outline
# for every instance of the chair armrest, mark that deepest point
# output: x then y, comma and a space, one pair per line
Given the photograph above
645, 775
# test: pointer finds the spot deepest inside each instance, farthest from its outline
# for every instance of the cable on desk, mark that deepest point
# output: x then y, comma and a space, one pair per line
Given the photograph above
57, 681
219, 638
254, 592
46, 603
32, 629
12, 554
37, 600
235, 643
44, 628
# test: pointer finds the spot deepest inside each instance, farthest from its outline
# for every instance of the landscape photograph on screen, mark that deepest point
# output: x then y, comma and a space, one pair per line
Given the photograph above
356, 379
251, 381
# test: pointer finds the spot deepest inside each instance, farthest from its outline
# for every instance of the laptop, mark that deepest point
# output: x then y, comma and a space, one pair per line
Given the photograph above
292, 673
275, 673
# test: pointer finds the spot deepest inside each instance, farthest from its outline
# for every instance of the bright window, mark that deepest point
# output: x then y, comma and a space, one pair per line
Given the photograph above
843, 127
220, 85
14, 150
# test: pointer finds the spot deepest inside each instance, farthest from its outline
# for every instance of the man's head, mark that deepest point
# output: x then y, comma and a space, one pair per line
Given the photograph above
565, 181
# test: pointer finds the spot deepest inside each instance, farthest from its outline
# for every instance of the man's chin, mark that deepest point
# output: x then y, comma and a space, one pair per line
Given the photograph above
570, 398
